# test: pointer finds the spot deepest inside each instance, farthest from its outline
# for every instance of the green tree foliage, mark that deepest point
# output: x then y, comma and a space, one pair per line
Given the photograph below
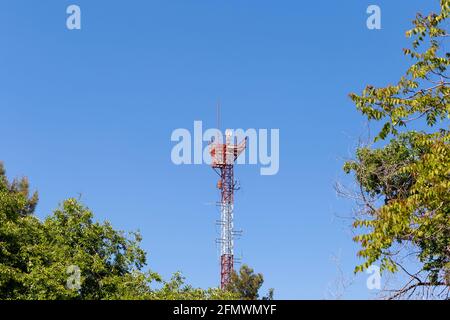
246, 284
16, 226
36, 256
176, 289
405, 184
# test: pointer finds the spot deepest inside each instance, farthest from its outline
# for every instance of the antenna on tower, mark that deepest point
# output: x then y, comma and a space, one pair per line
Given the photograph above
218, 122
218, 114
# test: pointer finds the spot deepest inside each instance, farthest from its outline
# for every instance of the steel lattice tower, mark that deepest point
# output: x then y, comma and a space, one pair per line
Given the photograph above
223, 156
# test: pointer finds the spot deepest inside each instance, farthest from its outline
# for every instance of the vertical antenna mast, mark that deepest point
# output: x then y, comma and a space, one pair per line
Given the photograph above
218, 115
223, 156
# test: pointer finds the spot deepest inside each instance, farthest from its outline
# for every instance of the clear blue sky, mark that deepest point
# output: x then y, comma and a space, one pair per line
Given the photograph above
91, 112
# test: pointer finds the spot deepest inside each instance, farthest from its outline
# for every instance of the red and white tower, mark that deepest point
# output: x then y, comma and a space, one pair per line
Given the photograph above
223, 157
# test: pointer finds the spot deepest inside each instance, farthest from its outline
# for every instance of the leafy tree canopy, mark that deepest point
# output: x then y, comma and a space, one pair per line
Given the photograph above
405, 184
246, 284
